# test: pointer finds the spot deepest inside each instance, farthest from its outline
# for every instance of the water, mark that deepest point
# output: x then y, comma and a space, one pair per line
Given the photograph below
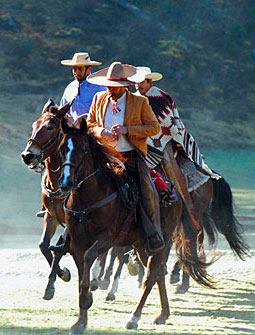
235, 165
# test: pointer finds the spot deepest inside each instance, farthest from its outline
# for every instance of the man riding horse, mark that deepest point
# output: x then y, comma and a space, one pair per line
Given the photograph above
172, 134
124, 120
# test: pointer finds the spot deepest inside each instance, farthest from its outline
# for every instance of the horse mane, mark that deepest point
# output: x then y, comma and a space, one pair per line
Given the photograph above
108, 160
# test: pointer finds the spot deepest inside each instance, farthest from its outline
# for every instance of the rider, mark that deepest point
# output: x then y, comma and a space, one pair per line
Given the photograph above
123, 120
80, 88
172, 127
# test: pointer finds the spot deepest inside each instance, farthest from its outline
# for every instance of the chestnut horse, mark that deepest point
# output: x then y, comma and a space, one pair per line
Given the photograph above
43, 146
97, 220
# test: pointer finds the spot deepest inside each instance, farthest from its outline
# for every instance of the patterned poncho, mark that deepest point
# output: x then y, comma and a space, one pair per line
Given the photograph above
172, 127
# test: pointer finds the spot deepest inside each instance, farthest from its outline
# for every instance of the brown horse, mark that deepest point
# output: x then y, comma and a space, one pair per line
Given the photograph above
97, 220
43, 146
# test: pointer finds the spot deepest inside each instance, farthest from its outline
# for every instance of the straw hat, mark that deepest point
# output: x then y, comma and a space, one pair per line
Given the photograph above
154, 76
80, 59
117, 74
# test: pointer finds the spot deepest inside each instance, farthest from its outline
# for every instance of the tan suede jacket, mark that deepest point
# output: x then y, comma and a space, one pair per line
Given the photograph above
139, 118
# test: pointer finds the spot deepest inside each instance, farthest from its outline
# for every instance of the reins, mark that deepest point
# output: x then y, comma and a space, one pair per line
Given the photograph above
82, 214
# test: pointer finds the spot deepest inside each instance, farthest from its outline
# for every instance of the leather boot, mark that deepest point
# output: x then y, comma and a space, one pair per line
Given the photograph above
154, 238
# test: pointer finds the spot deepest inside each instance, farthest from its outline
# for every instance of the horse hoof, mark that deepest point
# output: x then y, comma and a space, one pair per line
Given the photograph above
131, 325
48, 294
160, 320
65, 275
77, 329
94, 285
104, 284
181, 289
110, 297
174, 279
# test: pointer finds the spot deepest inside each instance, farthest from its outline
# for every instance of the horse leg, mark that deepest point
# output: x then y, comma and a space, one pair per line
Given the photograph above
106, 280
65, 273
175, 274
81, 324
165, 310
184, 286
97, 272
85, 295
154, 269
140, 274
111, 294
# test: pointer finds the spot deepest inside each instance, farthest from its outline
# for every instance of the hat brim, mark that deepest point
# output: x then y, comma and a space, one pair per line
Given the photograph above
99, 78
69, 62
154, 76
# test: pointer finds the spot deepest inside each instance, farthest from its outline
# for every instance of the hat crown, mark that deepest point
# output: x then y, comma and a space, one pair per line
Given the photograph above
81, 57
146, 69
117, 71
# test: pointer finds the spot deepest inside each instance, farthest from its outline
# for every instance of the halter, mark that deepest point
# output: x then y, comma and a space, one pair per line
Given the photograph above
77, 168
46, 145
49, 142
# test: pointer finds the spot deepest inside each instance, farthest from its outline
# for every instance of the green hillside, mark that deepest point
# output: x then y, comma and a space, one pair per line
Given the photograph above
206, 51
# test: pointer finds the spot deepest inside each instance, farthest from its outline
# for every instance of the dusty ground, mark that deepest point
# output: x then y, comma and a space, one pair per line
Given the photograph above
230, 309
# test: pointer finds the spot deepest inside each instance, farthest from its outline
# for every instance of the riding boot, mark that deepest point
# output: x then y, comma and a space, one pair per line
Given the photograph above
149, 211
154, 238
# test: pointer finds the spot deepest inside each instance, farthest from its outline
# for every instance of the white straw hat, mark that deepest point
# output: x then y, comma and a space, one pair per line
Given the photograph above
154, 76
80, 59
117, 74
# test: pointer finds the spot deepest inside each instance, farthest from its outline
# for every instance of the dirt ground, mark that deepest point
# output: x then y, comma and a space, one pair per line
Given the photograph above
229, 309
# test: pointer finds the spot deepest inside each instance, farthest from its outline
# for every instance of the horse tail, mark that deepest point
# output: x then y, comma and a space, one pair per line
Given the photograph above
186, 248
222, 214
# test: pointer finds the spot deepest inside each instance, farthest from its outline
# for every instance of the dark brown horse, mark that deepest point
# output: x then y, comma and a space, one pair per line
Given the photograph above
97, 220
43, 146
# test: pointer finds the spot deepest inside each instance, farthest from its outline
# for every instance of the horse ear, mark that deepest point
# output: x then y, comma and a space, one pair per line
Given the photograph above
64, 126
64, 109
83, 126
48, 104
81, 123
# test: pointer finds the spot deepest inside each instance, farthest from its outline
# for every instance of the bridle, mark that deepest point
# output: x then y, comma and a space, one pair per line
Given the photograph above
48, 145
77, 169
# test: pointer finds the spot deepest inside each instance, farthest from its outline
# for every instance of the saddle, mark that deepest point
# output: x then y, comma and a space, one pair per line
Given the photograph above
128, 190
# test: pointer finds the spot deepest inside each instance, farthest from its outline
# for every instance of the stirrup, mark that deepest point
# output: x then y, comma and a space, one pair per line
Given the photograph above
40, 214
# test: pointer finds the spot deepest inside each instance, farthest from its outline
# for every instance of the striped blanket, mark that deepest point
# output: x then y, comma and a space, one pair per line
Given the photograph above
172, 127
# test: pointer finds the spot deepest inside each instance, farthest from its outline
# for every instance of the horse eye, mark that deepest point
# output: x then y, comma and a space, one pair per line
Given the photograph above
50, 128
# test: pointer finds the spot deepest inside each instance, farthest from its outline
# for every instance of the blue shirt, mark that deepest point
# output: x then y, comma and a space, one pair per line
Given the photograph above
82, 102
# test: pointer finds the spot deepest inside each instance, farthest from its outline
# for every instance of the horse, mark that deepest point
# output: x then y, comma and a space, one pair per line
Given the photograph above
97, 220
42, 146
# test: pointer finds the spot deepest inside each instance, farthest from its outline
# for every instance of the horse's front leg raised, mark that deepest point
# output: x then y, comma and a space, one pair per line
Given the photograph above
49, 228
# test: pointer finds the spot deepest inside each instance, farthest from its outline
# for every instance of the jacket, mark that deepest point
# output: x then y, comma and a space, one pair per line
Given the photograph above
139, 119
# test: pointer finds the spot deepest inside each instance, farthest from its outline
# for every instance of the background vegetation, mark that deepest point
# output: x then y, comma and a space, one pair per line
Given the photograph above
206, 51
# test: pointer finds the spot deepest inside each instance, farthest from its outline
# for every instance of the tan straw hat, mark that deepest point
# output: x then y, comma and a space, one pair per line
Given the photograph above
154, 76
117, 74
80, 59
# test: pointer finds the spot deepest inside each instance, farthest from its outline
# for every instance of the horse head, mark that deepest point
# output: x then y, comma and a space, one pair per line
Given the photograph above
45, 135
74, 149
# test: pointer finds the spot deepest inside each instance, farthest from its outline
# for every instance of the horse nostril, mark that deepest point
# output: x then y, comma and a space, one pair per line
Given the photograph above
27, 157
